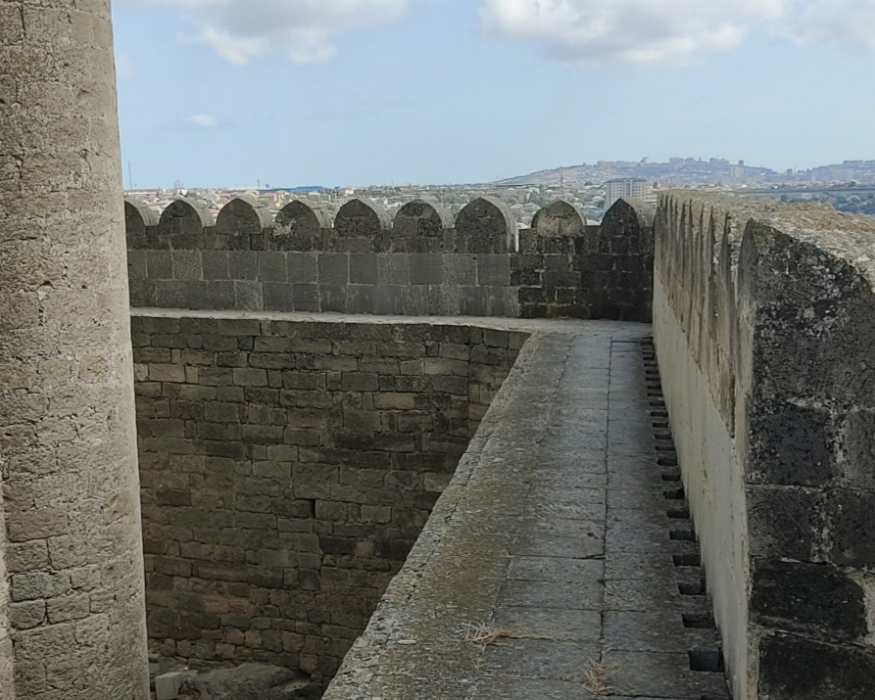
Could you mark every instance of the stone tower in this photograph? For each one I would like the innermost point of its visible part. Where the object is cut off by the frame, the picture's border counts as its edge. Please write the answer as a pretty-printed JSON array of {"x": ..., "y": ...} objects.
[{"x": 71, "y": 569}]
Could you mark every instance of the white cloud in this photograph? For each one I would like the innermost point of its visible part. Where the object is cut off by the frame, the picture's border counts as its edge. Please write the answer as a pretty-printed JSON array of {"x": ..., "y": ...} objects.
[
  {"x": 201, "y": 121},
  {"x": 628, "y": 31},
  {"x": 834, "y": 21},
  {"x": 592, "y": 32},
  {"x": 236, "y": 50},
  {"x": 241, "y": 30}
]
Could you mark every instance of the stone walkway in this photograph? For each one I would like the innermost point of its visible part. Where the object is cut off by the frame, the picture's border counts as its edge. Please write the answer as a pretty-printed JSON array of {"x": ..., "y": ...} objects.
[{"x": 563, "y": 545}]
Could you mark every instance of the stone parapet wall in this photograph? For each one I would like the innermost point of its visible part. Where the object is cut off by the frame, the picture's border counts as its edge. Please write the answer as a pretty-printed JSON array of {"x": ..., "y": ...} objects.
[
  {"x": 418, "y": 264},
  {"x": 288, "y": 466},
  {"x": 763, "y": 320}
]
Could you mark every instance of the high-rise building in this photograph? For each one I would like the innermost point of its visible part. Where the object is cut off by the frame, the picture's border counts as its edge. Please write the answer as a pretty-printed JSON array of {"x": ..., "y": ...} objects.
[{"x": 624, "y": 187}]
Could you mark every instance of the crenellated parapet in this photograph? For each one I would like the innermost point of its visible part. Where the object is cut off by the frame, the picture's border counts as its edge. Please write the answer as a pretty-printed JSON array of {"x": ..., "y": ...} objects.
[
  {"x": 420, "y": 263},
  {"x": 763, "y": 320}
]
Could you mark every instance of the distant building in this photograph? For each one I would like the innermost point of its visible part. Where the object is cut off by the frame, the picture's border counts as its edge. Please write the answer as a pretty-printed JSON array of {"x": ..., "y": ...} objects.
[{"x": 624, "y": 187}]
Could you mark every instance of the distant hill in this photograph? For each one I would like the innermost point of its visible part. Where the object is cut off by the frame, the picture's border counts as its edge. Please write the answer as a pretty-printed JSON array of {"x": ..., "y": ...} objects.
[
  {"x": 697, "y": 171},
  {"x": 555, "y": 176}
]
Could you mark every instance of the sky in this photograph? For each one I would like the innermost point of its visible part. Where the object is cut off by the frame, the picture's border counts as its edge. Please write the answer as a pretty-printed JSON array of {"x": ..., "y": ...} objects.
[{"x": 232, "y": 93}]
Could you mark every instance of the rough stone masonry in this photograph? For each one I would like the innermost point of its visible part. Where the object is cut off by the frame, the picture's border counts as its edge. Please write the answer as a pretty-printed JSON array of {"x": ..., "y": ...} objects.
[
  {"x": 72, "y": 622},
  {"x": 288, "y": 466}
]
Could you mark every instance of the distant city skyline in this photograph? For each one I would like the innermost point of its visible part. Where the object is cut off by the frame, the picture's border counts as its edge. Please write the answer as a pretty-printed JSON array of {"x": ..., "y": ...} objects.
[{"x": 358, "y": 92}]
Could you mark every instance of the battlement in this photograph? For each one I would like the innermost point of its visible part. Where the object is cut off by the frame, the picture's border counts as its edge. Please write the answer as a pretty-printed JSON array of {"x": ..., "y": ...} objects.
[
  {"x": 763, "y": 320},
  {"x": 420, "y": 264}
]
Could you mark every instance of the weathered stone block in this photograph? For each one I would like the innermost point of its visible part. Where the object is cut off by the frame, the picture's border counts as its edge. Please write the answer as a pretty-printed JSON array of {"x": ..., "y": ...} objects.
[
  {"x": 813, "y": 599},
  {"x": 249, "y": 296},
  {"x": 187, "y": 265},
  {"x": 427, "y": 268},
  {"x": 493, "y": 270},
  {"x": 279, "y": 297},
  {"x": 333, "y": 299},
  {"x": 243, "y": 265},
  {"x": 272, "y": 267},
  {"x": 168, "y": 685},
  {"x": 26, "y": 556},
  {"x": 73, "y": 606},
  {"x": 790, "y": 445},
  {"x": 853, "y": 536},
  {"x": 249, "y": 377},
  {"x": 782, "y": 522},
  {"x": 792, "y": 668},
  {"x": 36, "y": 585},
  {"x": 333, "y": 269},
  {"x": 36, "y": 525},
  {"x": 25, "y": 616},
  {"x": 215, "y": 264},
  {"x": 303, "y": 268},
  {"x": 159, "y": 264},
  {"x": 459, "y": 270},
  {"x": 306, "y": 297}
]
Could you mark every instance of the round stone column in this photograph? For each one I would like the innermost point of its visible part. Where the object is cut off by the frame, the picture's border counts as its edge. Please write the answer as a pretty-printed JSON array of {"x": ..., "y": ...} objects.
[{"x": 73, "y": 595}]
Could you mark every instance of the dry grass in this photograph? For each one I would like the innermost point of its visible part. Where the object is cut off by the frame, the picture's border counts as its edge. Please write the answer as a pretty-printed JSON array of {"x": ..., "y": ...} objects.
[
  {"x": 487, "y": 635},
  {"x": 596, "y": 676}
]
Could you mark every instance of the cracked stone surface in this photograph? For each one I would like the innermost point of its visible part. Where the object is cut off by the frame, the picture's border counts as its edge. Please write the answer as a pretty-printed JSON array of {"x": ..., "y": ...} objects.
[{"x": 554, "y": 536}]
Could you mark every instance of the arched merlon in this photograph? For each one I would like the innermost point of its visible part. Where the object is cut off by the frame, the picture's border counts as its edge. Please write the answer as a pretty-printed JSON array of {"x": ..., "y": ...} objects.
[
  {"x": 364, "y": 220},
  {"x": 183, "y": 223},
  {"x": 559, "y": 219},
  {"x": 764, "y": 319},
  {"x": 486, "y": 225},
  {"x": 240, "y": 219},
  {"x": 301, "y": 218},
  {"x": 631, "y": 220},
  {"x": 299, "y": 226},
  {"x": 420, "y": 227},
  {"x": 139, "y": 218}
]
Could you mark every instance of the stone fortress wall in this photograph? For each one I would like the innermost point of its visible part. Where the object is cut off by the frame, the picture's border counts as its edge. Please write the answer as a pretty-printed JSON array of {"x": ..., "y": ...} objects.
[
  {"x": 764, "y": 320},
  {"x": 420, "y": 264},
  {"x": 287, "y": 469}
]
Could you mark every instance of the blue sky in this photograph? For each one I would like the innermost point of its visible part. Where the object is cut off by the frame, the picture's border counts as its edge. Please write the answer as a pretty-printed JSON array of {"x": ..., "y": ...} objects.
[{"x": 359, "y": 92}]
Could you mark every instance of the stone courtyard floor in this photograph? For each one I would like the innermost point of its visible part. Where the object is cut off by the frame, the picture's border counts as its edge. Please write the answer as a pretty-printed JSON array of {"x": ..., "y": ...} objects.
[{"x": 561, "y": 562}]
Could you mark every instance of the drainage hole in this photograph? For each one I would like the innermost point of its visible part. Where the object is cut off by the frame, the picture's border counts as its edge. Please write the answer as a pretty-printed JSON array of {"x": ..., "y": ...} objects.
[
  {"x": 665, "y": 448},
  {"x": 699, "y": 621},
  {"x": 659, "y": 424},
  {"x": 671, "y": 477},
  {"x": 679, "y": 513},
  {"x": 697, "y": 589},
  {"x": 663, "y": 435},
  {"x": 675, "y": 494},
  {"x": 683, "y": 535},
  {"x": 667, "y": 461},
  {"x": 706, "y": 660},
  {"x": 659, "y": 414},
  {"x": 686, "y": 560}
]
